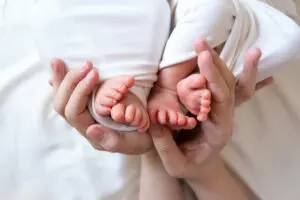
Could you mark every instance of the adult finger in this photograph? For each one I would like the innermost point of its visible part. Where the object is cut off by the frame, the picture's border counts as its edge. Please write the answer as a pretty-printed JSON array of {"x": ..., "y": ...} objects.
[
  {"x": 222, "y": 102},
  {"x": 76, "y": 111},
  {"x": 201, "y": 45},
  {"x": 264, "y": 83},
  {"x": 215, "y": 81},
  {"x": 173, "y": 159},
  {"x": 112, "y": 141},
  {"x": 247, "y": 79},
  {"x": 67, "y": 86},
  {"x": 58, "y": 73}
]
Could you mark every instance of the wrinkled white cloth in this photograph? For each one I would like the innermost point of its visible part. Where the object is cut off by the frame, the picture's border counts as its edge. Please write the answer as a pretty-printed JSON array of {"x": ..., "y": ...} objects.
[
  {"x": 118, "y": 37},
  {"x": 241, "y": 24},
  {"x": 42, "y": 157},
  {"x": 105, "y": 33}
]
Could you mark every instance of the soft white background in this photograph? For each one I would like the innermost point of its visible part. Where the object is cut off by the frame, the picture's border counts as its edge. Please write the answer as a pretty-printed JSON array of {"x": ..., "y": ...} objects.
[{"x": 43, "y": 158}]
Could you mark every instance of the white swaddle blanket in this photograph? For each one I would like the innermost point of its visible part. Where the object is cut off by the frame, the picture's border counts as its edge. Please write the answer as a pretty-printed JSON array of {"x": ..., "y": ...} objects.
[
  {"x": 242, "y": 24},
  {"x": 118, "y": 37}
]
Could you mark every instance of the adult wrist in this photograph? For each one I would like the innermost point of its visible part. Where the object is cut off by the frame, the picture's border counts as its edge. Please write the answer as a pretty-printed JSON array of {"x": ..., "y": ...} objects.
[
  {"x": 215, "y": 182},
  {"x": 209, "y": 173}
]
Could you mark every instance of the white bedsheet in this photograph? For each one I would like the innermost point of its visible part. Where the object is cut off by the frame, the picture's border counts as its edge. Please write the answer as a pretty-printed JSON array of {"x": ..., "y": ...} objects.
[{"x": 41, "y": 157}]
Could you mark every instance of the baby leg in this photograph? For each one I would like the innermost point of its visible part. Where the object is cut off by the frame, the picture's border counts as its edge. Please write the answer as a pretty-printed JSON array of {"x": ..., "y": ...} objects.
[
  {"x": 113, "y": 99},
  {"x": 163, "y": 106}
]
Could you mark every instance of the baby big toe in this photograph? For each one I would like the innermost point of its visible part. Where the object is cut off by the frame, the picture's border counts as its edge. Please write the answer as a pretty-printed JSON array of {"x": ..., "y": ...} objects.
[
  {"x": 137, "y": 117},
  {"x": 118, "y": 113}
]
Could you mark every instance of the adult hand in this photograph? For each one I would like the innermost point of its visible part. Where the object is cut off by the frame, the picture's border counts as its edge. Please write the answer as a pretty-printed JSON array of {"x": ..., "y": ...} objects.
[
  {"x": 246, "y": 84},
  {"x": 189, "y": 160},
  {"x": 72, "y": 89}
]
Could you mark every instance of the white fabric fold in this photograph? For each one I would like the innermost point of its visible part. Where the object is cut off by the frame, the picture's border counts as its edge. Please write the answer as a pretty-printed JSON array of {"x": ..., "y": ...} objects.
[
  {"x": 119, "y": 38},
  {"x": 242, "y": 24}
]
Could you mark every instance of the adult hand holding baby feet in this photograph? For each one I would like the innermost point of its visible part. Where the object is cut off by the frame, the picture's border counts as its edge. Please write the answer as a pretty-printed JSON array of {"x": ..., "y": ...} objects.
[
  {"x": 113, "y": 99},
  {"x": 189, "y": 88},
  {"x": 71, "y": 92},
  {"x": 164, "y": 107}
]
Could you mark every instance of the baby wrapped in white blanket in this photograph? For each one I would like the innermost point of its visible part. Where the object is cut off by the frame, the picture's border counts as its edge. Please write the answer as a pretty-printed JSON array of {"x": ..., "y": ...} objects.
[{"x": 127, "y": 37}]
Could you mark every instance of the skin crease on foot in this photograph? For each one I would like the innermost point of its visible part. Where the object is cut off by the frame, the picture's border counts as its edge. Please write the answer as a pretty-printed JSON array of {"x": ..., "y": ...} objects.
[{"x": 113, "y": 99}]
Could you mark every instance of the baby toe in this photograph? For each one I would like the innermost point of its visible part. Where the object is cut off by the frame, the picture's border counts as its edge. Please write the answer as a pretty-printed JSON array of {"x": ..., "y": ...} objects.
[
  {"x": 137, "y": 118},
  {"x": 118, "y": 113},
  {"x": 172, "y": 117},
  {"x": 130, "y": 113},
  {"x": 181, "y": 119},
  {"x": 162, "y": 117}
]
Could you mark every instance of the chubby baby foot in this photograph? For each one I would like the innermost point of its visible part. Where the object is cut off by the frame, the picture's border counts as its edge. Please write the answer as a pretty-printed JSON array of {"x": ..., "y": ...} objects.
[
  {"x": 164, "y": 108},
  {"x": 114, "y": 100},
  {"x": 110, "y": 93},
  {"x": 194, "y": 96},
  {"x": 131, "y": 111}
]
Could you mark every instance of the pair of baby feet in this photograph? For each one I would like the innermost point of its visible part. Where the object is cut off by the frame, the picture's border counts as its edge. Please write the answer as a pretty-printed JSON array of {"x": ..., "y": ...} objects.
[{"x": 113, "y": 99}]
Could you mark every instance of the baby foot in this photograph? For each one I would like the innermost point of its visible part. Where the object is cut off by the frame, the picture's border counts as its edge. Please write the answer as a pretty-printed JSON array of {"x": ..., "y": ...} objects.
[
  {"x": 164, "y": 108},
  {"x": 114, "y": 100},
  {"x": 194, "y": 96},
  {"x": 130, "y": 110},
  {"x": 110, "y": 93}
]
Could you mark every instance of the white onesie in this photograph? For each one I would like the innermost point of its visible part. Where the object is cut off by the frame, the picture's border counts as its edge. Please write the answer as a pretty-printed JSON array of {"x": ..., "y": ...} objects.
[
  {"x": 127, "y": 37},
  {"x": 241, "y": 24},
  {"x": 120, "y": 37}
]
